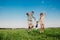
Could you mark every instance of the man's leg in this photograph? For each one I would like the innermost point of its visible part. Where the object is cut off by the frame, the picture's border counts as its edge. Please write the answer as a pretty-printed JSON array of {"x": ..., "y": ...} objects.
[
  {"x": 32, "y": 27},
  {"x": 29, "y": 25}
]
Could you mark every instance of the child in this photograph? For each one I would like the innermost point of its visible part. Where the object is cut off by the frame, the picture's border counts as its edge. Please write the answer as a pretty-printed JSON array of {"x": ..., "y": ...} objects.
[
  {"x": 30, "y": 16},
  {"x": 36, "y": 24},
  {"x": 42, "y": 22}
]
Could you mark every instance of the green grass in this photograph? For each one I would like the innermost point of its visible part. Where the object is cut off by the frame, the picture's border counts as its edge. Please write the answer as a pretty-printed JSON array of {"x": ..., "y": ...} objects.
[{"x": 23, "y": 34}]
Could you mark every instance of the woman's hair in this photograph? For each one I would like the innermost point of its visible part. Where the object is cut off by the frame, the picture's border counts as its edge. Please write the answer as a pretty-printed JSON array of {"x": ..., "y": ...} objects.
[
  {"x": 41, "y": 13},
  {"x": 36, "y": 21}
]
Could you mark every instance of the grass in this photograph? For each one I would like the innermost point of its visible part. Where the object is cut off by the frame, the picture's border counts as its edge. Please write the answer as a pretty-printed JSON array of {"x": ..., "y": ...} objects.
[{"x": 23, "y": 34}]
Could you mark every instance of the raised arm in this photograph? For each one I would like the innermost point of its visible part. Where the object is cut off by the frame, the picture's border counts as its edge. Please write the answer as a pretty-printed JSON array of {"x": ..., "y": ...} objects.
[{"x": 34, "y": 18}]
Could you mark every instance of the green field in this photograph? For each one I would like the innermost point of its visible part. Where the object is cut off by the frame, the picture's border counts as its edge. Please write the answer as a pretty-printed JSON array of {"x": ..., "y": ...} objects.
[{"x": 23, "y": 34}]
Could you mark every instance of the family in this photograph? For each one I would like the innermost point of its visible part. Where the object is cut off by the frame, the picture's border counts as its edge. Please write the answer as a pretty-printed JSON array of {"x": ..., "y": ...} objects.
[{"x": 30, "y": 16}]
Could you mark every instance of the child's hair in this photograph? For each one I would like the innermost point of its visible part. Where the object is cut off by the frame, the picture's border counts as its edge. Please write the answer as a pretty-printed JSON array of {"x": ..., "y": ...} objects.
[
  {"x": 36, "y": 21},
  {"x": 32, "y": 11},
  {"x": 27, "y": 14},
  {"x": 41, "y": 13}
]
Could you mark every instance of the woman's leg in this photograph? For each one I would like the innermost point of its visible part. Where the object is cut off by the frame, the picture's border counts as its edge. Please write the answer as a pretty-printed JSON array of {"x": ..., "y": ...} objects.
[{"x": 42, "y": 28}]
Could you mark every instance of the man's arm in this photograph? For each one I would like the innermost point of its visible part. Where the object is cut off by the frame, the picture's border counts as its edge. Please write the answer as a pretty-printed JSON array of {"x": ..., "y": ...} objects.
[{"x": 34, "y": 18}]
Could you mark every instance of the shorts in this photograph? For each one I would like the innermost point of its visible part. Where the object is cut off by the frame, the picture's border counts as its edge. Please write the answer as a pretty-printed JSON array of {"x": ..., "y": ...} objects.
[
  {"x": 29, "y": 22},
  {"x": 36, "y": 25}
]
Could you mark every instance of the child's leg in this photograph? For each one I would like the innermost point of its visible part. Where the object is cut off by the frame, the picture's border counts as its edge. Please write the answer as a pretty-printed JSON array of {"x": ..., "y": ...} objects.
[{"x": 36, "y": 26}]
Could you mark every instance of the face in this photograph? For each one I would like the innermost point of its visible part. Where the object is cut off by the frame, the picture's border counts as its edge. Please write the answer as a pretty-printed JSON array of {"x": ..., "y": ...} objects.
[{"x": 41, "y": 15}]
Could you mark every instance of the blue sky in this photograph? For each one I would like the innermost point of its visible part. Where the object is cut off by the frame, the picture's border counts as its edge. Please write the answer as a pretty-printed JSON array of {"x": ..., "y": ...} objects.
[{"x": 13, "y": 12}]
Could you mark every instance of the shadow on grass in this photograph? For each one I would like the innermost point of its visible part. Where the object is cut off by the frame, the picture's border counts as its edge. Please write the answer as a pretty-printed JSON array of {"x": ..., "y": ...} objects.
[
  {"x": 34, "y": 33},
  {"x": 1, "y": 36},
  {"x": 54, "y": 36}
]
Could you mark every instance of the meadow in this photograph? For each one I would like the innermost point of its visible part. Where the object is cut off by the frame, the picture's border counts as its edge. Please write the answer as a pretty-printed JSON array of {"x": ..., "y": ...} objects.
[{"x": 23, "y": 34}]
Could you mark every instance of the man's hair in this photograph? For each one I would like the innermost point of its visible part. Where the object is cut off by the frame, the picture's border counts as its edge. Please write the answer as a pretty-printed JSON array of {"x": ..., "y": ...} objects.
[
  {"x": 32, "y": 11},
  {"x": 41, "y": 13},
  {"x": 27, "y": 14}
]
